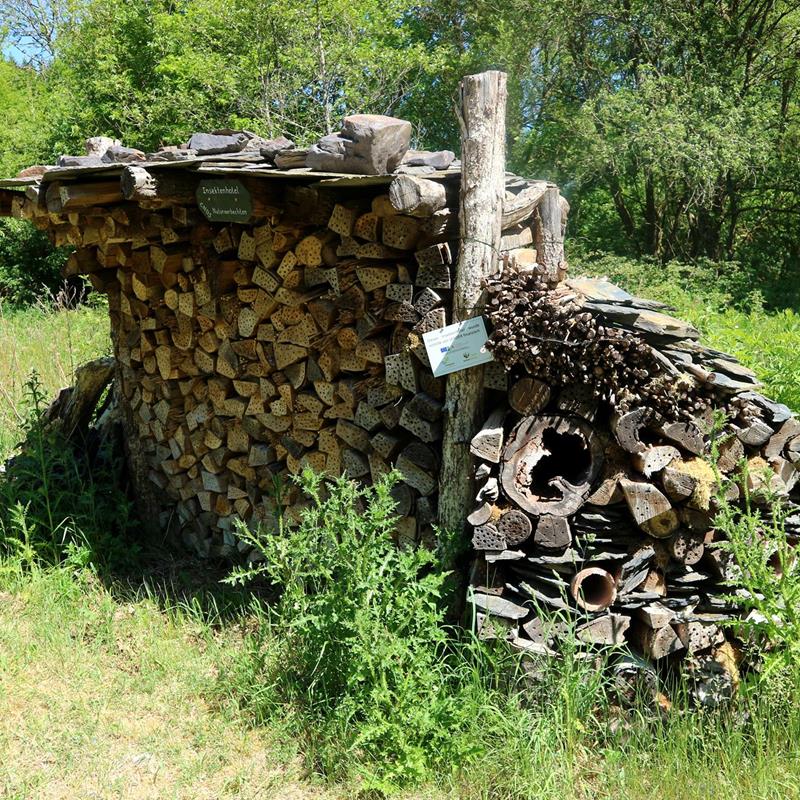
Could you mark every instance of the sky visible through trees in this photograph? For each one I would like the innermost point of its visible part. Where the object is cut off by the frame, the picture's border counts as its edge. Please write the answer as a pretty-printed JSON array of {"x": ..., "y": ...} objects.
[{"x": 672, "y": 126}]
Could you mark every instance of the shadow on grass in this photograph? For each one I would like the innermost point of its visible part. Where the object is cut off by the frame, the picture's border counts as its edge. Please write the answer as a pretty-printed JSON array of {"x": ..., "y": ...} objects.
[
  {"x": 66, "y": 497},
  {"x": 179, "y": 581}
]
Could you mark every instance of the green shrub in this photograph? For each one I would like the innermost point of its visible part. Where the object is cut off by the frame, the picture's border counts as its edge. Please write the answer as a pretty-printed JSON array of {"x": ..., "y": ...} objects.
[
  {"x": 61, "y": 502},
  {"x": 355, "y": 659},
  {"x": 766, "y": 574},
  {"x": 30, "y": 267},
  {"x": 359, "y": 646}
]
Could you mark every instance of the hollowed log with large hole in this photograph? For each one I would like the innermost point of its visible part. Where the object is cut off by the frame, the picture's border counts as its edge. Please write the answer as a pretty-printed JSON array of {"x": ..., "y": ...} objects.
[
  {"x": 593, "y": 589},
  {"x": 550, "y": 464}
]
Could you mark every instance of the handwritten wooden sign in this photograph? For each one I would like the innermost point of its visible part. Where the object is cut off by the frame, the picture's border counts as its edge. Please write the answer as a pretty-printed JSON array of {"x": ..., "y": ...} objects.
[{"x": 224, "y": 201}]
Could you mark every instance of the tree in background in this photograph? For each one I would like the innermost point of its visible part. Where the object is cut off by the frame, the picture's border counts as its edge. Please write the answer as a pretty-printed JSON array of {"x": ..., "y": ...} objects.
[
  {"x": 683, "y": 117},
  {"x": 29, "y": 266},
  {"x": 153, "y": 72},
  {"x": 671, "y": 126},
  {"x": 32, "y": 27},
  {"x": 23, "y": 134}
]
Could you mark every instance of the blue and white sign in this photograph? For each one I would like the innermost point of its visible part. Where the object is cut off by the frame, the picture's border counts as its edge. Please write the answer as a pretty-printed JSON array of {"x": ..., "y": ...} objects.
[{"x": 458, "y": 346}]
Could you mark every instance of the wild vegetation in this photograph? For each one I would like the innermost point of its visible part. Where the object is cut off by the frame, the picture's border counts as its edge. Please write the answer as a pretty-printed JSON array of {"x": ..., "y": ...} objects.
[
  {"x": 51, "y": 340},
  {"x": 219, "y": 689},
  {"x": 333, "y": 672}
]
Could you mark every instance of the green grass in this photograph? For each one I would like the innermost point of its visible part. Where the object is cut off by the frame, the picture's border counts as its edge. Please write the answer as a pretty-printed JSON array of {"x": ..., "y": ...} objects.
[
  {"x": 767, "y": 343},
  {"x": 51, "y": 341},
  {"x": 110, "y": 693},
  {"x": 107, "y": 697},
  {"x": 111, "y": 689}
]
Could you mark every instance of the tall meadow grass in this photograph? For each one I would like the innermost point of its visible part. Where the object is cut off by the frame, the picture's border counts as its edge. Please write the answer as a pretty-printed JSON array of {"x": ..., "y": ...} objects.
[{"x": 51, "y": 340}]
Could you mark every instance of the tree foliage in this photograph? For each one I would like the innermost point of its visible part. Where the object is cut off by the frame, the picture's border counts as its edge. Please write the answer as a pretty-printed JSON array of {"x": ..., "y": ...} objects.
[
  {"x": 671, "y": 126},
  {"x": 23, "y": 134},
  {"x": 682, "y": 114},
  {"x": 157, "y": 71}
]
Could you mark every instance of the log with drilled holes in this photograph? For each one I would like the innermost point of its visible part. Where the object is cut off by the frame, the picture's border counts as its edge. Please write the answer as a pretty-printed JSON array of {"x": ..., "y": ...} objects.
[{"x": 596, "y": 495}]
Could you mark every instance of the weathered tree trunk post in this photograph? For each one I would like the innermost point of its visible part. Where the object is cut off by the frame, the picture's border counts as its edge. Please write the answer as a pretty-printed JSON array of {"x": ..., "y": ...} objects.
[
  {"x": 550, "y": 240},
  {"x": 483, "y": 164}
]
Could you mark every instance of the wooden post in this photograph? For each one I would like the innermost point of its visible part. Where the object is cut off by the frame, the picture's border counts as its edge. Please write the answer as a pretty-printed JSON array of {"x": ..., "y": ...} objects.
[
  {"x": 550, "y": 244},
  {"x": 483, "y": 135}
]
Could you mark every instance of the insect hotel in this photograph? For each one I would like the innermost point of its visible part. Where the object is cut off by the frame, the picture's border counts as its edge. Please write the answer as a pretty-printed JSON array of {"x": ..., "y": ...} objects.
[{"x": 359, "y": 306}]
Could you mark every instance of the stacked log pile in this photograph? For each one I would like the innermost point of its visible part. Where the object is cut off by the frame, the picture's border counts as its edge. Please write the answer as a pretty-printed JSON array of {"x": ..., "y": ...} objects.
[
  {"x": 247, "y": 352},
  {"x": 596, "y": 499}
]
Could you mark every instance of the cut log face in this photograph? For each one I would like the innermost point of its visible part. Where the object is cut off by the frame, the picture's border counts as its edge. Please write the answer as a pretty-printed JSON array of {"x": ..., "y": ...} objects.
[
  {"x": 651, "y": 510},
  {"x": 481, "y": 515},
  {"x": 627, "y": 429},
  {"x": 756, "y": 434},
  {"x": 659, "y": 643},
  {"x": 488, "y": 442},
  {"x": 416, "y": 196},
  {"x": 678, "y": 485},
  {"x": 606, "y": 630},
  {"x": 550, "y": 464},
  {"x": 515, "y": 526},
  {"x": 686, "y": 435},
  {"x": 553, "y": 533},
  {"x": 528, "y": 396},
  {"x": 654, "y": 459},
  {"x": 687, "y": 547}
]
